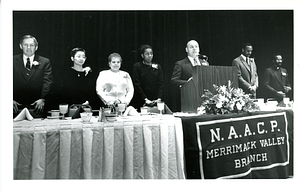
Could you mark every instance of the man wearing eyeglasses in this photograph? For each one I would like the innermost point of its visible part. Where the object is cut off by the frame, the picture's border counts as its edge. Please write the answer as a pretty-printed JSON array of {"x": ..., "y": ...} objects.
[{"x": 32, "y": 78}]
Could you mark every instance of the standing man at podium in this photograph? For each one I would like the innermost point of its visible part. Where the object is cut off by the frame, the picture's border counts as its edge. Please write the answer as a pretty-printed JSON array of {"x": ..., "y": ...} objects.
[
  {"x": 247, "y": 71},
  {"x": 182, "y": 72}
]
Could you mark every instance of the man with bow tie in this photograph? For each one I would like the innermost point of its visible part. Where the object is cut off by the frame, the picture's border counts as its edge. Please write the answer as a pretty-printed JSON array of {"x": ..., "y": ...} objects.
[
  {"x": 247, "y": 71},
  {"x": 183, "y": 69},
  {"x": 32, "y": 78},
  {"x": 276, "y": 80}
]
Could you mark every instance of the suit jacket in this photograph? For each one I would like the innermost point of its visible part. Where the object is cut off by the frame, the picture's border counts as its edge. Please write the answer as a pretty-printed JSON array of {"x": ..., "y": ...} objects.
[
  {"x": 274, "y": 81},
  {"x": 31, "y": 86},
  {"x": 183, "y": 70},
  {"x": 247, "y": 74}
]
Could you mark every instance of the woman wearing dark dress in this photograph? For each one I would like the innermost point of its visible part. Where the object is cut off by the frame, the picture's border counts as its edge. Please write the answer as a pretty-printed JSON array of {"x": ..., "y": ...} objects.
[
  {"x": 148, "y": 79},
  {"x": 78, "y": 82}
]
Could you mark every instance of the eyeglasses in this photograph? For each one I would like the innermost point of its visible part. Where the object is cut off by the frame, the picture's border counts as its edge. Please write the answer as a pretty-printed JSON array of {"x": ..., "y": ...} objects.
[{"x": 29, "y": 45}]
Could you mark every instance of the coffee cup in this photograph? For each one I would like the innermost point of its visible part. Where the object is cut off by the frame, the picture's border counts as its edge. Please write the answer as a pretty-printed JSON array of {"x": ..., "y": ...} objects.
[
  {"x": 85, "y": 116},
  {"x": 144, "y": 110},
  {"x": 54, "y": 113}
]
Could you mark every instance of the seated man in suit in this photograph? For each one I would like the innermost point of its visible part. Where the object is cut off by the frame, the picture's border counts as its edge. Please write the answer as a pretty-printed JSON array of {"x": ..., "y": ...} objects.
[
  {"x": 182, "y": 72},
  {"x": 247, "y": 71},
  {"x": 32, "y": 78},
  {"x": 276, "y": 80}
]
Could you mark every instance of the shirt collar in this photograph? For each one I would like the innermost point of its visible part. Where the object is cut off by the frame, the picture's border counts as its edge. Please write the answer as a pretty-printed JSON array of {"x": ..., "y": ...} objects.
[
  {"x": 148, "y": 65},
  {"x": 277, "y": 67},
  {"x": 25, "y": 59},
  {"x": 244, "y": 57}
]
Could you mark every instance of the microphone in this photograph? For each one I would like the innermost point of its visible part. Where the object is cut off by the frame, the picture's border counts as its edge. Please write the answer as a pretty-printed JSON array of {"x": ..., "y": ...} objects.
[{"x": 203, "y": 57}]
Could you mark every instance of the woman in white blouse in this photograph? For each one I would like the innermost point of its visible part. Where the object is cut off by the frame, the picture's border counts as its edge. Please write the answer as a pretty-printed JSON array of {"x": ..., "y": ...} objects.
[{"x": 114, "y": 86}]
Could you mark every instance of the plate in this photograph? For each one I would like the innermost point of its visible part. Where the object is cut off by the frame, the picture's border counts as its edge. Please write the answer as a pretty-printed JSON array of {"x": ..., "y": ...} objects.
[
  {"x": 55, "y": 117},
  {"x": 111, "y": 119},
  {"x": 86, "y": 122},
  {"x": 111, "y": 115},
  {"x": 181, "y": 114}
]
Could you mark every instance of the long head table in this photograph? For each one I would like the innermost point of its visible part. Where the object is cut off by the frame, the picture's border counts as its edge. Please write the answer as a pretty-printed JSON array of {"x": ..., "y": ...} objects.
[{"x": 144, "y": 147}]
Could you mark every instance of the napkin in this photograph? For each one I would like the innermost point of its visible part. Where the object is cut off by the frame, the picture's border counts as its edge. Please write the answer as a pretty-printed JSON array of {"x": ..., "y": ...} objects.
[
  {"x": 24, "y": 114},
  {"x": 77, "y": 112},
  {"x": 130, "y": 111}
]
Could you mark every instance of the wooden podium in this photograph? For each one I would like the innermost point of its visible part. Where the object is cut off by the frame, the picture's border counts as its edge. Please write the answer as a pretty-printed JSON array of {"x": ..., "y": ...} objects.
[{"x": 203, "y": 78}]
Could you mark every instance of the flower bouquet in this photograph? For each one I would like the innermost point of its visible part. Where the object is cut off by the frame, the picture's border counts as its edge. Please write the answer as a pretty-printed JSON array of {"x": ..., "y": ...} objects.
[{"x": 226, "y": 100}]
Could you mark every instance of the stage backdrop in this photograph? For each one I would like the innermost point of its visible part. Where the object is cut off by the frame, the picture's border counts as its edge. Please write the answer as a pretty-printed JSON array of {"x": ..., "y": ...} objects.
[{"x": 219, "y": 32}]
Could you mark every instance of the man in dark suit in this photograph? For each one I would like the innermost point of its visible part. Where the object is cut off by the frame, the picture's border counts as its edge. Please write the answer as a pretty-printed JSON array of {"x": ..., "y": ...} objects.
[
  {"x": 183, "y": 75},
  {"x": 247, "y": 71},
  {"x": 276, "y": 80},
  {"x": 32, "y": 78},
  {"x": 182, "y": 72}
]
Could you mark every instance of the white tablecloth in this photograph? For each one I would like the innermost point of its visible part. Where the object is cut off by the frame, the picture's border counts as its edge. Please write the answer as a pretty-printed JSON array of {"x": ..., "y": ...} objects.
[{"x": 141, "y": 147}]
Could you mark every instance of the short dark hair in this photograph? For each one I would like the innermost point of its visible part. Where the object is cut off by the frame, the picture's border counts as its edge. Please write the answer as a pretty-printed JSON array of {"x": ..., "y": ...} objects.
[
  {"x": 274, "y": 56},
  {"x": 277, "y": 54},
  {"x": 114, "y": 55},
  {"x": 245, "y": 45},
  {"x": 29, "y": 36},
  {"x": 143, "y": 48},
  {"x": 75, "y": 50}
]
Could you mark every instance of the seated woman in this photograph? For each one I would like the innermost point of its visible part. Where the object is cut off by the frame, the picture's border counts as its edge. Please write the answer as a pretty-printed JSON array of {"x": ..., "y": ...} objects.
[
  {"x": 148, "y": 80},
  {"x": 77, "y": 83},
  {"x": 114, "y": 86}
]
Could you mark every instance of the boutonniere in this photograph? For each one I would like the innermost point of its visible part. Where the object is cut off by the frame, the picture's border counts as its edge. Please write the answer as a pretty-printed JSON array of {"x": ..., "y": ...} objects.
[
  {"x": 126, "y": 76},
  {"x": 35, "y": 63},
  {"x": 154, "y": 66},
  {"x": 283, "y": 73}
]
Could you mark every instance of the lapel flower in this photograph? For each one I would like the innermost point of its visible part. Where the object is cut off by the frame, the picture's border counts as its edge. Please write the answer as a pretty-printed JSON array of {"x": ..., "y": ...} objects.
[
  {"x": 155, "y": 66},
  {"x": 126, "y": 76},
  {"x": 35, "y": 63},
  {"x": 283, "y": 73}
]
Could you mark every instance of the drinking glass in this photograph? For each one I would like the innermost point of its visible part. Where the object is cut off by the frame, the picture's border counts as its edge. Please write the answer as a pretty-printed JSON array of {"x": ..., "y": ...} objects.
[
  {"x": 160, "y": 106},
  {"x": 121, "y": 107},
  {"x": 63, "y": 109},
  {"x": 286, "y": 100}
]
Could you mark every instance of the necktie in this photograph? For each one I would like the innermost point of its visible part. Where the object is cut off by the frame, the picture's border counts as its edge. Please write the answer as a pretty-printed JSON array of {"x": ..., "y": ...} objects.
[
  {"x": 248, "y": 61},
  {"x": 196, "y": 62},
  {"x": 28, "y": 64}
]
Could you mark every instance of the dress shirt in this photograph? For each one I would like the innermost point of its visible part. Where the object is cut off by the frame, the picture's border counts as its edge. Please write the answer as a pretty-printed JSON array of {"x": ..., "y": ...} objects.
[
  {"x": 193, "y": 61},
  {"x": 25, "y": 60}
]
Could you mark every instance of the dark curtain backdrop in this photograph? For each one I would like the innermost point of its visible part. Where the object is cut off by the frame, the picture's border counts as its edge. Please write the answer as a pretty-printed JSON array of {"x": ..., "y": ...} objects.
[{"x": 220, "y": 34}]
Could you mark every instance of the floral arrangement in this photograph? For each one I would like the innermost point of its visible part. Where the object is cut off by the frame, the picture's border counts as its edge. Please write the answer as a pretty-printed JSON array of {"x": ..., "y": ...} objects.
[{"x": 227, "y": 100}]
